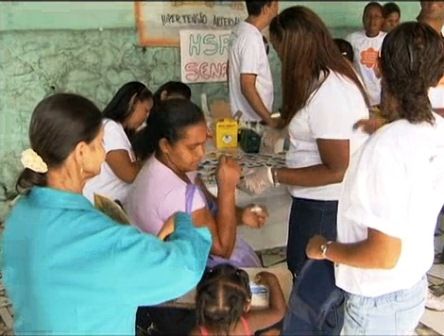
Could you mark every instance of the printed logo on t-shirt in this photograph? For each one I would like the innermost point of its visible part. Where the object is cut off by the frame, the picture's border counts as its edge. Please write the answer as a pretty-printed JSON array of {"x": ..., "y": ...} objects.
[{"x": 369, "y": 58}]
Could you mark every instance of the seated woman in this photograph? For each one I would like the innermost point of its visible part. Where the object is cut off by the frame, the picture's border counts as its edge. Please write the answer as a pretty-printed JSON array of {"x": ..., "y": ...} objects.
[
  {"x": 168, "y": 182},
  {"x": 124, "y": 114},
  {"x": 68, "y": 268}
]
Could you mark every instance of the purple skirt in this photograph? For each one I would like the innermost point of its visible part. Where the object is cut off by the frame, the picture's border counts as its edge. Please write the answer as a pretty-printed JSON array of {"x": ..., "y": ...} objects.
[{"x": 243, "y": 256}]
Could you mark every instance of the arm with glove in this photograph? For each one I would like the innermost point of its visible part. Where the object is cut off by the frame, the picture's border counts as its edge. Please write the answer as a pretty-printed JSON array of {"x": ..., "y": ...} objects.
[{"x": 334, "y": 156}]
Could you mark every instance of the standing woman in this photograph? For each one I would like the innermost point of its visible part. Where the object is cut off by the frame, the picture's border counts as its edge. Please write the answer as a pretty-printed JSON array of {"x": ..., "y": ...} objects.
[
  {"x": 68, "y": 268},
  {"x": 124, "y": 114},
  {"x": 322, "y": 99},
  {"x": 393, "y": 192}
]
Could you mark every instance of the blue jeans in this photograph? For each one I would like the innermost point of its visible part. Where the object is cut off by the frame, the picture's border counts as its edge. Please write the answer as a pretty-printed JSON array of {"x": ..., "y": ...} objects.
[
  {"x": 395, "y": 313},
  {"x": 307, "y": 218},
  {"x": 316, "y": 305}
]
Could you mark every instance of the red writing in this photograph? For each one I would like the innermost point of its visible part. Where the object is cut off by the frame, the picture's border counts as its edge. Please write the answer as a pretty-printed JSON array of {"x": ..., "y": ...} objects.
[{"x": 205, "y": 71}]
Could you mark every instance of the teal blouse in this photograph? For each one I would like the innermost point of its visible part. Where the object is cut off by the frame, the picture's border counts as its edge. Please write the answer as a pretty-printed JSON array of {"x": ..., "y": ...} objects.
[{"x": 69, "y": 269}]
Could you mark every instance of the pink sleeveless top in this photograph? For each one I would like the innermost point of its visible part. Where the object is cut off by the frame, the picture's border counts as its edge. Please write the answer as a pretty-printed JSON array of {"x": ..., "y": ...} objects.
[{"x": 247, "y": 330}]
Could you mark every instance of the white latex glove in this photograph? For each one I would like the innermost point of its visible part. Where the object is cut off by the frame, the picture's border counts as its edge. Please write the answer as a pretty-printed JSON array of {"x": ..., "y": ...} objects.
[
  {"x": 273, "y": 140},
  {"x": 257, "y": 181}
]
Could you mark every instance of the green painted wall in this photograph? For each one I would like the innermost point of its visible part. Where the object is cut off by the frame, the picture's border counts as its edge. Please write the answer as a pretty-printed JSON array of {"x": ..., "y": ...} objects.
[{"x": 91, "y": 48}]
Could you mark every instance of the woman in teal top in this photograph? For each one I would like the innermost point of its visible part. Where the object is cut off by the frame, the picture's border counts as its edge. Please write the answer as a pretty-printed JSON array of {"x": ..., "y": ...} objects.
[{"x": 68, "y": 268}]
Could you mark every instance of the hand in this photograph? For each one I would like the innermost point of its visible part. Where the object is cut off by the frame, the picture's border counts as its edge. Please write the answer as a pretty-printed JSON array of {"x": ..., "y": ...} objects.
[
  {"x": 273, "y": 140},
  {"x": 369, "y": 126},
  {"x": 274, "y": 122},
  {"x": 265, "y": 278},
  {"x": 227, "y": 173},
  {"x": 254, "y": 216},
  {"x": 257, "y": 181},
  {"x": 313, "y": 249},
  {"x": 167, "y": 228}
]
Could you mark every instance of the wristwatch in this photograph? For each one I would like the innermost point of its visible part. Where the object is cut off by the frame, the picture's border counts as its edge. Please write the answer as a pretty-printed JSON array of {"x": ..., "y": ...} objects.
[{"x": 324, "y": 248}]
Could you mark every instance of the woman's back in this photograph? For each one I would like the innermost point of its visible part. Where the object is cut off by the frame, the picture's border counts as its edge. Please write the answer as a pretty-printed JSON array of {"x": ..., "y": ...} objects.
[{"x": 70, "y": 269}]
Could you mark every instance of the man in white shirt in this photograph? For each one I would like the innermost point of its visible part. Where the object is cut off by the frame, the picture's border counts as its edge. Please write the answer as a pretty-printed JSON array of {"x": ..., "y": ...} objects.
[
  {"x": 249, "y": 74},
  {"x": 366, "y": 45}
]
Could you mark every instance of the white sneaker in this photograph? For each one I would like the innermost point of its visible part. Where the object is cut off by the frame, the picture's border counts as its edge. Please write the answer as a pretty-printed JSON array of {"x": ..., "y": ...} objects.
[{"x": 434, "y": 302}]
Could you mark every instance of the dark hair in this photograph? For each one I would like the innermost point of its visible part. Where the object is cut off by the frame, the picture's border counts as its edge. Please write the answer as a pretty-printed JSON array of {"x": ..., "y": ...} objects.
[
  {"x": 122, "y": 104},
  {"x": 412, "y": 61},
  {"x": 390, "y": 8},
  {"x": 370, "y": 5},
  {"x": 254, "y": 8},
  {"x": 58, "y": 123},
  {"x": 221, "y": 296},
  {"x": 169, "y": 121},
  {"x": 345, "y": 48},
  {"x": 172, "y": 88},
  {"x": 307, "y": 50}
]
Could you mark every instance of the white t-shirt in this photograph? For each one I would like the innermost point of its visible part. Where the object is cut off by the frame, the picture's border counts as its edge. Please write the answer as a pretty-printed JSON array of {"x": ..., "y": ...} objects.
[
  {"x": 156, "y": 194},
  {"x": 436, "y": 95},
  {"x": 107, "y": 183},
  {"x": 330, "y": 113},
  {"x": 366, "y": 50},
  {"x": 247, "y": 55},
  {"x": 394, "y": 184}
]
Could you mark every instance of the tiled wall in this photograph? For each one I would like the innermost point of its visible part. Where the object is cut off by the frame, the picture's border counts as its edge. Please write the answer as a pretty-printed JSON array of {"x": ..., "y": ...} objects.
[{"x": 35, "y": 62}]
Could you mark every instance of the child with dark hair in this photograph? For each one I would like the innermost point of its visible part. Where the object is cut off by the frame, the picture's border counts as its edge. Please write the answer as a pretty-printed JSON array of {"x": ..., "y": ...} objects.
[
  {"x": 223, "y": 303},
  {"x": 124, "y": 114},
  {"x": 345, "y": 48},
  {"x": 172, "y": 90},
  {"x": 392, "y": 16},
  {"x": 366, "y": 44}
]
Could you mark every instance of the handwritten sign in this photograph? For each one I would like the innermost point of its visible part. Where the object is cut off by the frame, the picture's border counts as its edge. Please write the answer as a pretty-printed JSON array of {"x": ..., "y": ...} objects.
[
  {"x": 159, "y": 22},
  {"x": 204, "y": 55}
]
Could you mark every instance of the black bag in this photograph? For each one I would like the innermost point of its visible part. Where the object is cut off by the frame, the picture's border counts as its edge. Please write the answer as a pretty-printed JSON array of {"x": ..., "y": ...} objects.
[
  {"x": 164, "y": 320},
  {"x": 316, "y": 305}
]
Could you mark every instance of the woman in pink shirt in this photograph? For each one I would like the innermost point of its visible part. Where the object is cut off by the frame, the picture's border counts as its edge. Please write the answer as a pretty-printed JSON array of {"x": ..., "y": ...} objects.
[{"x": 169, "y": 182}]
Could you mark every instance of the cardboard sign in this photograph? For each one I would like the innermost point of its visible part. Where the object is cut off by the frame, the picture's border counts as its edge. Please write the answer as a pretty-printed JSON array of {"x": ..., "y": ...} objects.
[
  {"x": 159, "y": 22},
  {"x": 204, "y": 55}
]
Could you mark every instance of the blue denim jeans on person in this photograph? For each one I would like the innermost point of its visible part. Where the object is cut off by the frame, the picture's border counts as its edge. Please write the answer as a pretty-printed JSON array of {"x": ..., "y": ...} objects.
[
  {"x": 307, "y": 218},
  {"x": 316, "y": 305},
  {"x": 395, "y": 313}
]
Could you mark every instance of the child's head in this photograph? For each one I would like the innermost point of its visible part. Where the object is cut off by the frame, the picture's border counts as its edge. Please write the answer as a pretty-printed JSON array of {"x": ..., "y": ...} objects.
[
  {"x": 223, "y": 295},
  {"x": 130, "y": 106},
  {"x": 172, "y": 90},
  {"x": 392, "y": 16},
  {"x": 372, "y": 19},
  {"x": 345, "y": 48}
]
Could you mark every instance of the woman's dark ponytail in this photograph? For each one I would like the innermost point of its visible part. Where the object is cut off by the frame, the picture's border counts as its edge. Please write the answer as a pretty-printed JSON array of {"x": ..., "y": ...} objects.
[{"x": 58, "y": 123}]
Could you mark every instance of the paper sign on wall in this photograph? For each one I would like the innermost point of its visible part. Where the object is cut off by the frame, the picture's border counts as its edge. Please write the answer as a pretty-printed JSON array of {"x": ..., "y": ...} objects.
[
  {"x": 159, "y": 22},
  {"x": 204, "y": 55}
]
